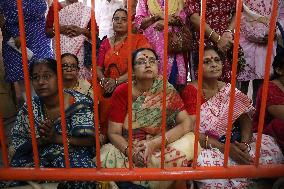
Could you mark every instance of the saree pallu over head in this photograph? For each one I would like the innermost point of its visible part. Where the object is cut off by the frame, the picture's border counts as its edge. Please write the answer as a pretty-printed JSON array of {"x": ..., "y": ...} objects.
[{"x": 214, "y": 112}]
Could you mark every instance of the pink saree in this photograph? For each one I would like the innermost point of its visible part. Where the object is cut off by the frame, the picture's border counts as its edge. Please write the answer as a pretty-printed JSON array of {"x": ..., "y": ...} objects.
[
  {"x": 79, "y": 15},
  {"x": 214, "y": 121}
]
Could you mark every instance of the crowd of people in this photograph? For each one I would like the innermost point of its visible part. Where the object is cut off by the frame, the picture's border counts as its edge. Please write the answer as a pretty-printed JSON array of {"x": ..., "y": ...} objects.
[{"x": 147, "y": 49}]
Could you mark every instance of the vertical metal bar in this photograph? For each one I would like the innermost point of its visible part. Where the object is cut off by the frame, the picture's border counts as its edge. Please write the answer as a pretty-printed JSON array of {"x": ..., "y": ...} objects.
[
  {"x": 3, "y": 143},
  {"x": 165, "y": 80},
  {"x": 95, "y": 84},
  {"x": 60, "y": 83},
  {"x": 200, "y": 80},
  {"x": 272, "y": 26},
  {"x": 233, "y": 81},
  {"x": 129, "y": 36},
  {"x": 26, "y": 77}
]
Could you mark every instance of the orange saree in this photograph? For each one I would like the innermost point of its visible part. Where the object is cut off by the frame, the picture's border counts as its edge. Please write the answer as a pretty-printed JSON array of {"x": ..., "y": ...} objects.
[{"x": 113, "y": 60}]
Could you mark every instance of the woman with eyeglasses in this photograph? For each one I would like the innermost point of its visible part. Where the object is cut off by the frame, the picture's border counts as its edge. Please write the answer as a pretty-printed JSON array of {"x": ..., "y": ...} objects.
[
  {"x": 70, "y": 70},
  {"x": 112, "y": 61},
  {"x": 47, "y": 119},
  {"x": 75, "y": 26},
  {"x": 147, "y": 94}
]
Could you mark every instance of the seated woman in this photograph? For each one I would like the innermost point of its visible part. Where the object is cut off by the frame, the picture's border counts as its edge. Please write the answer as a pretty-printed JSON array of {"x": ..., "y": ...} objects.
[
  {"x": 214, "y": 121},
  {"x": 274, "y": 120},
  {"x": 46, "y": 112},
  {"x": 112, "y": 61},
  {"x": 147, "y": 95},
  {"x": 70, "y": 70}
]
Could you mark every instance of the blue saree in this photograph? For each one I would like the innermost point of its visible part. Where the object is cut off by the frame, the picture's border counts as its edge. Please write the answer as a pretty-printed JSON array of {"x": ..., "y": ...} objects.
[{"x": 79, "y": 123}]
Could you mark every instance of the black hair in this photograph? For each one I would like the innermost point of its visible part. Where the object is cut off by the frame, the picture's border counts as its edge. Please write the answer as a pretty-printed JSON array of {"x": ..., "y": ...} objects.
[
  {"x": 118, "y": 10},
  {"x": 278, "y": 62},
  {"x": 72, "y": 55},
  {"x": 195, "y": 56},
  {"x": 49, "y": 62},
  {"x": 134, "y": 54}
]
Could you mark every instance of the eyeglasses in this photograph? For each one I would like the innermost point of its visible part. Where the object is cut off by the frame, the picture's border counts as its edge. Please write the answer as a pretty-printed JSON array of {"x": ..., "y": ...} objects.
[
  {"x": 152, "y": 62},
  {"x": 73, "y": 67},
  {"x": 44, "y": 77},
  {"x": 117, "y": 19}
]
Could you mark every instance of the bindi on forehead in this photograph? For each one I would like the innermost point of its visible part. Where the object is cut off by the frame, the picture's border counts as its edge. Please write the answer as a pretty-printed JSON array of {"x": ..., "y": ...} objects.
[{"x": 145, "y": 55}]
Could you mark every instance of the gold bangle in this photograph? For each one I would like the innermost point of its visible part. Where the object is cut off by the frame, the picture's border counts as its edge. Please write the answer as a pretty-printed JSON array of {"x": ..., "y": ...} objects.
[
  {"x": 247, "y": 144},
  {"x": 206, "y": 141},
  {"x": 125, "y": 150},
  {"x": 230, "y": 31},
  {"x": 219, "y": 38},
  {"x": 166, "y": 140},
  {"x": 210, "y": 34}
]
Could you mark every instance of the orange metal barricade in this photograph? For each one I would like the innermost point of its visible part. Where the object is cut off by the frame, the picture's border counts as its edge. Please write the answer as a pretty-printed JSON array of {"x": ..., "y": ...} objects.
[{"x": 99, "y": 173}]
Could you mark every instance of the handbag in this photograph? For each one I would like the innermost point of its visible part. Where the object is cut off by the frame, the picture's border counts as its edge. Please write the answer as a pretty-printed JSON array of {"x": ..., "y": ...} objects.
[{"x": 181, "y": 41}]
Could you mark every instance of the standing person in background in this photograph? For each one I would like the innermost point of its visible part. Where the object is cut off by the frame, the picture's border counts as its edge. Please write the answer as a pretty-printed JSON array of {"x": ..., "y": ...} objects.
[
  {"x": 104, "y": 12},
  {"x": 150, "y": 19},
  {"x": 112, "y": 66},
  {"x": 219, "y": 29},
  {"x": 254, "y": 40},
  {"x": 74, "y": 21},
  {"x": 37, "y": 42}
]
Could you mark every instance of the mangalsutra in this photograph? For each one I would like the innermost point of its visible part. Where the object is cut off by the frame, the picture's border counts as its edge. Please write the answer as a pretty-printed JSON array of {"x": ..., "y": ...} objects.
[
  {"x": 116, "y": 52},
  {"x": 46, "y": 115}
]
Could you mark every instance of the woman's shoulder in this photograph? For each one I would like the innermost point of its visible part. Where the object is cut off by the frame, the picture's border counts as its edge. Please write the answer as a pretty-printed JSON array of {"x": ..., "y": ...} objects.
[
  {"x": 122, "y": 89},
  {"x": 189, "y": 90},
  {"x": 76, "y": 97},
  {"x": 106, "y": 42},
  {"x": 192, "y": 85}
]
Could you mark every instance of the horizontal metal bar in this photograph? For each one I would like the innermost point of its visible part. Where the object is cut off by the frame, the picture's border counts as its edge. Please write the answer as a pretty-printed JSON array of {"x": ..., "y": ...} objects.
[{"x": 87, "y": 174}]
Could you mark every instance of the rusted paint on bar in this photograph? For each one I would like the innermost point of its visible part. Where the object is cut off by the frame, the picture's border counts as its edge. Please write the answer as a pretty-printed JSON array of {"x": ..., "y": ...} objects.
[
  {"x": 184, "y": 173},
  {"x": 95, "y": 84},
  {"x": 200, "y": 79},
  {"x": 165, "y": 80},
  {"x": 60, "y": 83},
  {"x": 266, "y": 79},
  {"x": 27, "y": 82},
  {"x": 233, "y": 81}
]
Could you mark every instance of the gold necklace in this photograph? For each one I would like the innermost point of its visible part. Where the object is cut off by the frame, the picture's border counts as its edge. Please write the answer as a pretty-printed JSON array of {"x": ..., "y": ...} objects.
[
  {"x": 116, "y": 52},
  {"x": 46, "y": 114}
]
